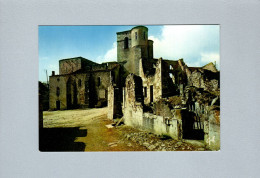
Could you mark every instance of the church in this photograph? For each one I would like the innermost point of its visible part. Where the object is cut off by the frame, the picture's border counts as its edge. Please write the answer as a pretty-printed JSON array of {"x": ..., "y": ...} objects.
[
  {"x": 82, "y": 83},
  {"x": 154, "y": 94}
]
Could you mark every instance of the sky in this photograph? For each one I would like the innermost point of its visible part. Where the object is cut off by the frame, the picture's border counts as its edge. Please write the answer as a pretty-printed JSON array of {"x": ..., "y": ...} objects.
[{"x": 196, "y": 44}]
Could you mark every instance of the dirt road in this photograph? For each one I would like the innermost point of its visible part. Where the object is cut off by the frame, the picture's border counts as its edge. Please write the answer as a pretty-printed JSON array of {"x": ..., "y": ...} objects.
[{"x": 93, "y": 122}]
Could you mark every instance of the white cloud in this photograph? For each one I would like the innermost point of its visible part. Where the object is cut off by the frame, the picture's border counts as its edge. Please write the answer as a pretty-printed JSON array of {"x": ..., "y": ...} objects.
[
  {"x": 196, "y": 44},
  {"x": 193, "y": 64},
  {"x": 111, "y": 55}
]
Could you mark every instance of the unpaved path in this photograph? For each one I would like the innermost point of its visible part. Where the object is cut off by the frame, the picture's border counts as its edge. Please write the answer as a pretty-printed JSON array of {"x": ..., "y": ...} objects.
[{"x": 99, "y": 137}]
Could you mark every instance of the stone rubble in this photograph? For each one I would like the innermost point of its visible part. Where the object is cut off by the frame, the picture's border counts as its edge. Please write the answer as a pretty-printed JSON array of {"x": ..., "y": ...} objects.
[{"x": 158, "y": 143}]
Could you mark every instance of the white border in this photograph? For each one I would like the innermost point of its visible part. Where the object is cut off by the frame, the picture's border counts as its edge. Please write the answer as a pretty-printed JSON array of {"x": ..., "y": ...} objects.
[{"x": 19, "y": 155}]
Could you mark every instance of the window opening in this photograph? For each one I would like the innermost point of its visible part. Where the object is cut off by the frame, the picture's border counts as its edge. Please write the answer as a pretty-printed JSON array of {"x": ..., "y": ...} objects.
[{"x": 126, "y": 43}]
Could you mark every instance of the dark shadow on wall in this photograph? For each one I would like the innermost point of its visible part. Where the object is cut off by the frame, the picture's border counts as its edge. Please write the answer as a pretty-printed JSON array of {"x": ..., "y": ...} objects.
[{"x": 61, "y": 139}]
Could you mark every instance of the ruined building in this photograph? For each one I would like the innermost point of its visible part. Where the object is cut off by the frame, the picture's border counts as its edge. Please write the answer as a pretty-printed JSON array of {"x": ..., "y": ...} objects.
[
  {"x": 81, "y": 83},
  {"x": 157, "y": 95}
]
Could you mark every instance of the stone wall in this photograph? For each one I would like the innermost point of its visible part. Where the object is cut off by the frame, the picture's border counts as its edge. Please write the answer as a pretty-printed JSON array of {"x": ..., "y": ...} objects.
[
  {"x": 132, "y": 109},
  {"x": 114, "y": 102},
  {"x": 69, "y": 90},
  {"x": 161, "y": 125},
  {"x": 122, "y": 52},
  {"x": 154, "y": 81},
  {"x": 70, "y": 65},
  {"x": 84, "y": 87},
  {"x": 136, "y": 49},
  {"x": 165, "y": 80},
  {"x": 101, "y": 81},
  {"x": 172, "y": 77},
  {"x": 135, "y": 117},
  {"x": 212, "y": 130},
  {"x": 54, "y": 82},
  {"x": 111, "y": 102},
  {"x": 199, "y": 79}
]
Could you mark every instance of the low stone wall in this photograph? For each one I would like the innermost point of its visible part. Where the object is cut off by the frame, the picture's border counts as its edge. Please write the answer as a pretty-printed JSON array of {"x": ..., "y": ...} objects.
[
  {"x": 161, "y": 125},
  {"x": 153, "y": 123},
  {"x": 133, "y": 116}
]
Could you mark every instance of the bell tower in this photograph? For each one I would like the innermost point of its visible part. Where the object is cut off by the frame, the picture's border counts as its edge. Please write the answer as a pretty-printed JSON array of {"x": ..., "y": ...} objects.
[{"x": 132, "y": 45}]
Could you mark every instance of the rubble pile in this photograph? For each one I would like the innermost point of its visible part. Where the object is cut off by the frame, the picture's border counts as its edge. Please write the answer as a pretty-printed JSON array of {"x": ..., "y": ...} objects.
[{"x": 159, "y": 143}]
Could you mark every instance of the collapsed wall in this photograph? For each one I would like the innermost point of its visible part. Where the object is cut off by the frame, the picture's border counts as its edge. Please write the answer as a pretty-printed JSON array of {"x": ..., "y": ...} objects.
[
  {"x": 114, "y": 102},
  {"x": 192, "y": 115},
  {"x": 135, "y": 116},
  {"x": 206, "y": 108}
]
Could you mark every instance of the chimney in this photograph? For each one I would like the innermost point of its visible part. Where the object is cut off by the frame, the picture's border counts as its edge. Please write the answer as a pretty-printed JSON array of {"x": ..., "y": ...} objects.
[{"x": 53, "y": 73}]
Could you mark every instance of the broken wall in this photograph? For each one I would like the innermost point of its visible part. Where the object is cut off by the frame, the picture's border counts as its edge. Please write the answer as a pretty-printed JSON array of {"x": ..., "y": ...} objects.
[
  {"x": 114, "y": 102},
  {"x": 132, "y": 109},
  {"x": 134, "y": 115},
  {"x": 152, "y": 83},
  {"x": 111, "y": 102},
  {"x": 205, "y": 79}
]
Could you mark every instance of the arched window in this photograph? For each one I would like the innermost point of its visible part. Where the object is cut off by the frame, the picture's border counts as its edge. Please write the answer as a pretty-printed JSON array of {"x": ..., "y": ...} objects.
[
  {"x": 144, "y": 36},
  {"x": 126, "y": 43},
  {"x": 58, "y": 91}
]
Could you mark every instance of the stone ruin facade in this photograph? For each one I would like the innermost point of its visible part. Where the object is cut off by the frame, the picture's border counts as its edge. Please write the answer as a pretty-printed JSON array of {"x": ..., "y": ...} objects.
[
  {"x": 165, "y": 97},
  {"x": 81, "y": 83}
]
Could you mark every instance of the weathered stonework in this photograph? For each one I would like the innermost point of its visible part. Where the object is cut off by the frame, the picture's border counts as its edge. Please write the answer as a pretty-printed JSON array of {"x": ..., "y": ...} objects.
[
  {"x": 69, "y": 90},
  {"x": 212, "y": 130},
  {"x": 184, "y": 110},
  {"x": 198, "y": 79},
  {"x": 85, "y": 87},
  {"x": 136, "y": 117},
  {"x": 70, "y": 65},
  {"x": 162, "y": 96},
  {"x": 152, "y": 83},
  {"x": 133, "y": 45},
  {"x": 111, "y": 102}
]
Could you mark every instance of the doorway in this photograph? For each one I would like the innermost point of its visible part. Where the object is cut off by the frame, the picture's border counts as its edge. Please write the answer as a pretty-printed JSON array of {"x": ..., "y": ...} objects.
[{"x": 58, "y": 105}]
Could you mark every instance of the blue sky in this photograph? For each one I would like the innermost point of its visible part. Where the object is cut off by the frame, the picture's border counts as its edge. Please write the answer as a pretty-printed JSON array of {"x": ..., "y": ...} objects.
[{"x": 196, "y": 44}]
